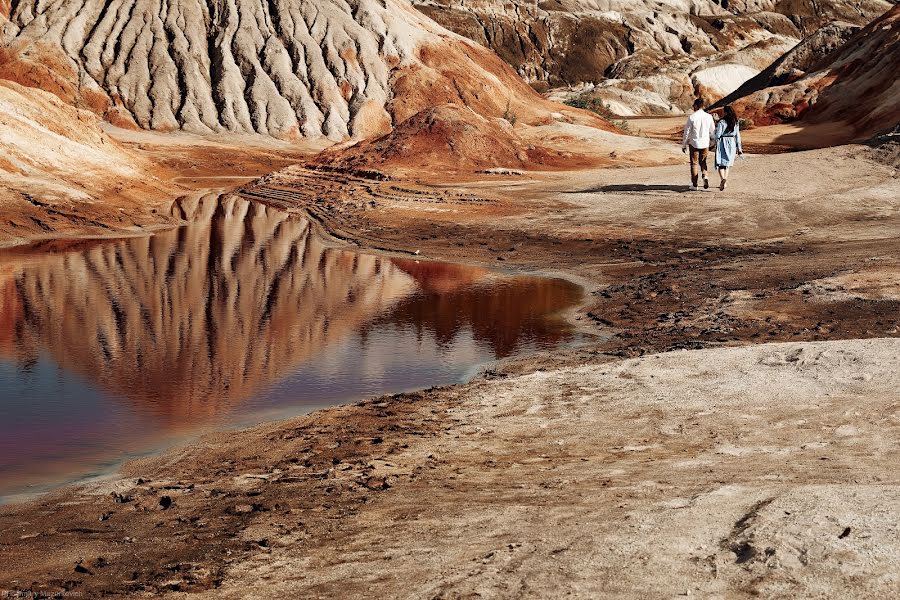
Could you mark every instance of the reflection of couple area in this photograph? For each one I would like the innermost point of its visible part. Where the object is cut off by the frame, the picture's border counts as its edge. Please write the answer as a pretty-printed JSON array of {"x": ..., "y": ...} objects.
[{"x": 191, "y": 321}]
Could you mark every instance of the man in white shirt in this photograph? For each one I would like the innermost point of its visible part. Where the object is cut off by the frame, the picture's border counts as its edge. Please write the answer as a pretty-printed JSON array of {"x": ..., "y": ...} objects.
[{"x": 697, "y": 136}]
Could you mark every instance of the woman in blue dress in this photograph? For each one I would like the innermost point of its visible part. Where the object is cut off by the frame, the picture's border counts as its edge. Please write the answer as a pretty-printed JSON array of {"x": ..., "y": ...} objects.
[{"x": 728, "y": 144}]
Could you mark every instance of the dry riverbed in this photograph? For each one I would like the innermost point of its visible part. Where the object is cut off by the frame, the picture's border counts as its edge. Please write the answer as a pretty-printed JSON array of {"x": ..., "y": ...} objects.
[{"x": 679, "y": 452}]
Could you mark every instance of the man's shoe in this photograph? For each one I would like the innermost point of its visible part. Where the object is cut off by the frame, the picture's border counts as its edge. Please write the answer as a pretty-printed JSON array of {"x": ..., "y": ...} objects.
[
  {"x": 706, "y": 183},
  {"x": 695, "y": 188}
]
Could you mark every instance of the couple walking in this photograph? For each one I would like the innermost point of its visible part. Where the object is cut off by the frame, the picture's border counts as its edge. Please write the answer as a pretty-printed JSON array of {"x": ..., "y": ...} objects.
[{"x": 700, "y": 132}]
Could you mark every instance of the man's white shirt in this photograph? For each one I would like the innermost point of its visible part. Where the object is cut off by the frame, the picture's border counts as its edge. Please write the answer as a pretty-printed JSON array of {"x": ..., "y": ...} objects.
[{"x": 698, "y": 130}]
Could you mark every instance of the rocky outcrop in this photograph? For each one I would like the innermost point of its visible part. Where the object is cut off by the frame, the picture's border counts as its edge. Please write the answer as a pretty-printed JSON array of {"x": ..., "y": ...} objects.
[
  {"x": 885, "y": 148},
  {"x": 646, "y": 58},
  {"x": 276, "y": 67},
  {"x": 802, "y": 58},
  {"x": 858, "y": 85},
  {"x": 650, "y": 83}
]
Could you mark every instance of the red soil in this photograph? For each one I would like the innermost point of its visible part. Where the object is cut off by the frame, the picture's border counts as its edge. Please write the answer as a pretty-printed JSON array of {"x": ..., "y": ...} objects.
[{"x": 450, "y": 136}]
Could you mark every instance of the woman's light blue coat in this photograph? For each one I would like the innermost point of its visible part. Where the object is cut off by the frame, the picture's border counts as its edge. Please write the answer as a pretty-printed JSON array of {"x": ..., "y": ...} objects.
[{"x": 727, "y": 146}]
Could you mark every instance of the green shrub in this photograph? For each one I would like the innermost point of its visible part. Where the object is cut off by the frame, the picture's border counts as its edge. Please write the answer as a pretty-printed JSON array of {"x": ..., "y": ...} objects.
[
  {"x": 591, "y": 103},
  {"x": 599, "y": 107},
  {"x": 577, "y": 102},
  {"x": 510, "y": 116}
]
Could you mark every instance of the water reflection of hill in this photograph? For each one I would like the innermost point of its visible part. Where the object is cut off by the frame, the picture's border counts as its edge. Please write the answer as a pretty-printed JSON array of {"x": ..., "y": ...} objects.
[
  {"x": 196, "y": 319},
  {"x": 190, "y": 322},
  {"x": 501, "y": 313}
]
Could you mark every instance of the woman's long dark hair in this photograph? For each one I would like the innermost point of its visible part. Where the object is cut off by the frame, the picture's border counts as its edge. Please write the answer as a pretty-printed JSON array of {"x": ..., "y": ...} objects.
[{"x": 731, "y": 119}]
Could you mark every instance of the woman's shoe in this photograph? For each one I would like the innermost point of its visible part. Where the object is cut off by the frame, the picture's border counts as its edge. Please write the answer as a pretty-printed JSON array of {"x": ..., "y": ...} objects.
[{"x": 723, "y": 185}]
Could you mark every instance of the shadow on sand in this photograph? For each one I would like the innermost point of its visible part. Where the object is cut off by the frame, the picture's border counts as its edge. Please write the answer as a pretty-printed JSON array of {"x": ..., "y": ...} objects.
[{"x": 635, "y": 187}]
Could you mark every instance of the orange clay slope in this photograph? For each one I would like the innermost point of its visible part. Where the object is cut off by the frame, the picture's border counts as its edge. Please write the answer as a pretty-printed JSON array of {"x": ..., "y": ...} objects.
[
  {"x": 856, "y": 87},
  {"x": 66, "y": 66},
  {"x": 60, "y": 173}
]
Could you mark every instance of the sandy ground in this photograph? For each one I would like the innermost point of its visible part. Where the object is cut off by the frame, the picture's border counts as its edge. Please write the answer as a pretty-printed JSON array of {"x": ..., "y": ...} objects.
[
  {"x": 730, "y": 430},
  {"x": 760, "y": 471}
]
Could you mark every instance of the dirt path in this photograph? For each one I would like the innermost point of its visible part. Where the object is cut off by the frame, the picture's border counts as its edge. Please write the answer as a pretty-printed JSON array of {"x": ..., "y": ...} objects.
[
  {"x": 728, "y": 471},
  {"x": 669, "y": 268}
]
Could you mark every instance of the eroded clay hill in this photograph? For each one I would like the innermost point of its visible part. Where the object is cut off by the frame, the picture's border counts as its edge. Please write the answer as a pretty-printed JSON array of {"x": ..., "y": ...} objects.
[
  {"x": 281, "y": 68},
  {"x": 857, "y": 85},
  {"x": 323, "y": 69},
  {"x": 649, "y": 57}
]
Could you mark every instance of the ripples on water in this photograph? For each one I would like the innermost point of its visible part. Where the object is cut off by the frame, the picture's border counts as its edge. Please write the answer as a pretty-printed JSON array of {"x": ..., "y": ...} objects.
[{"x": 115, "y": 348}]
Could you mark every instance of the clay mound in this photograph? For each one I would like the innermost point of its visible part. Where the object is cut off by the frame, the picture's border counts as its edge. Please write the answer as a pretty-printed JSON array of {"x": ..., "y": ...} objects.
[
  {"x": 858, "y": 85},
  {"x": 281, "y": 68},
  {"x": 44, "y": 142},
  {"x": 448, "y": 136},
  {"x": 56, "y": 163}
]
